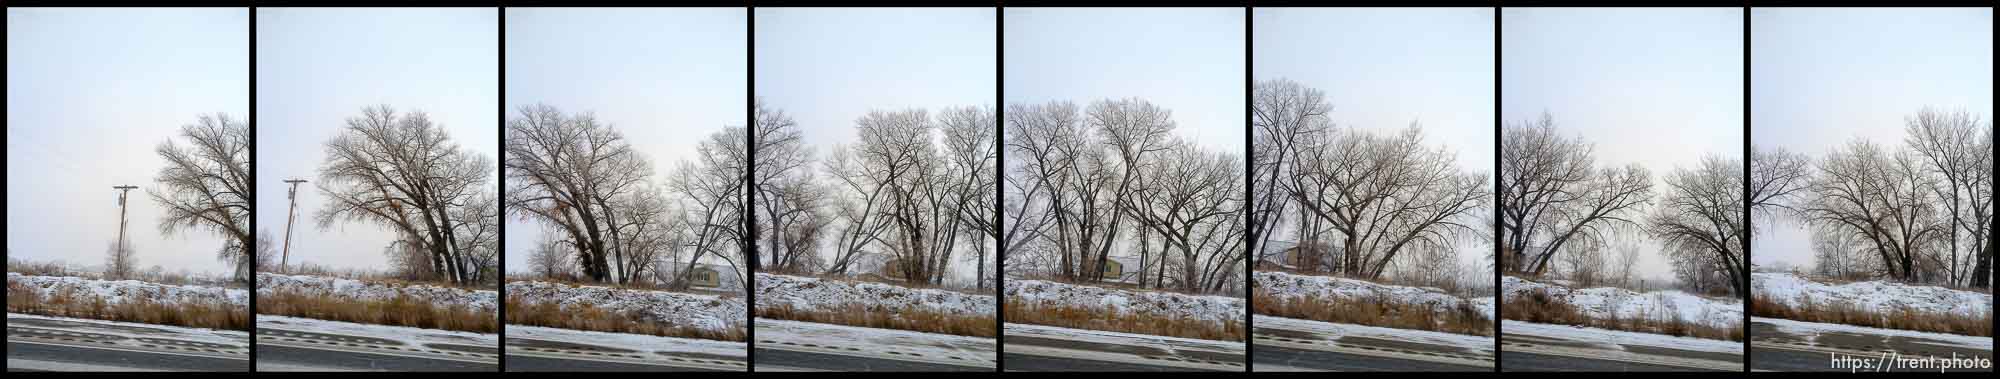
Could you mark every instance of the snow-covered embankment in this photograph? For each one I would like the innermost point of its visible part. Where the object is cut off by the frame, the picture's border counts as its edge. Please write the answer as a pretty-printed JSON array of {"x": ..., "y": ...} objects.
[
  {"x": 677, "y": 309},
  {"x": 1623, "y": 304},
  {"x": 349, "y": 289},
  {"x": 115, "y": 292}
]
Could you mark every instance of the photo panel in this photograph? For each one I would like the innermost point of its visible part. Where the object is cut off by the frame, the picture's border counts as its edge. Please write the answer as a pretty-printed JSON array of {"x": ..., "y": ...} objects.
[
  {"x": 128, "y": 179},
  {"x": 1123, "y": 181},
  {"x": 874, "y": 189},
  {"x": 625, "y": 152},
  {"x": 1401, "y": 99},
  {"x": 1871, "y": 189},
  {"x": 382, "y": 139},
  {"x": 1621, "y": 209}
]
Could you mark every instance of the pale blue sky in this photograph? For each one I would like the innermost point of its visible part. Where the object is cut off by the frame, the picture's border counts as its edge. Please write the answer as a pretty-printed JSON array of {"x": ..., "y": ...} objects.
[
  {"x": 90, "y": 93},
  {"x": 1821, "y": 77},
  {"x": 1187, "y": 60},
  {"x": 665, "y": 77},
  {"x": 827, "y": 67},
  {"x": 318, "y": 66},
  {"x": 1384, "y": 68},
  {"x": 1661, "y": 87}
]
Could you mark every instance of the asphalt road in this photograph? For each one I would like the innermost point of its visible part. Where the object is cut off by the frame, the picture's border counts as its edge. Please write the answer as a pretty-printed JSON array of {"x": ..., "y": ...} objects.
[
  {"x": 1306, "y": 359},
  {"x": 531, "y": 354},
  {"x": 39, "y": 344},
  {"x": 527, "y": 363},
  {"x": 291, "y": 350},
  {"x": 286, "y": 358},
  {"x": 843, "y": 362},
  {"x": 1772, "y": 349},
  {"x": 1518, "y": 361},
  {"x": 1024, "y": 362},
  {"x": 40, "y": 356}
]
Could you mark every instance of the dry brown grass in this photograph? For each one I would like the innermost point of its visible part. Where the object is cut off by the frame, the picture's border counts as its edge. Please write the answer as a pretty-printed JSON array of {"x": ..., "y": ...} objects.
[
  {"x": 1381, "y": 311},
  {"x": 1539, "y": 307},
  {"x": 1100, "y": 318},
  {"x": 402, "y": 310},
  {"x": 586, "y": 316},
  {"x": 912, "y": 319},
  {"x": 1903, "y": 318},
  {"x": 211, "y": 314}
]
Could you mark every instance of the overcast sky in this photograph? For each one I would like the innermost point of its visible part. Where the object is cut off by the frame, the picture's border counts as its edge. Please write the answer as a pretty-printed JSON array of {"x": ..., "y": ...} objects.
[
  {"x": 1821, "y": 77},
  {"x": 665, "y": 77},
  {"x": 1186, "y": 60},
  {"x": 90, "y": 94},
  {"x": 827, "y": 67},
  {"x": 1385, "y": 68},
  {"x": 318, "y": 66},
  {"x": 1661, "y": 87}
]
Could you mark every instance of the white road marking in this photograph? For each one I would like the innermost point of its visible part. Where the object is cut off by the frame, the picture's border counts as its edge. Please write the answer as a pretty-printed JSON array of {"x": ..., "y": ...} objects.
[
  {"x": 511, "y": 350},
  {"x": 127, "y": 349},
  {"x": 1062, "y": 353},
  {"x": 347, "y": 349}
]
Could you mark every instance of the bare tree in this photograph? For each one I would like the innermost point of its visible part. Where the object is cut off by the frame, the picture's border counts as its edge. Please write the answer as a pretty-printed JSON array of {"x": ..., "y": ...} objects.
[
  {"x": 1285, "y": 114},
  {"x": 267, "y": 255},
  {"x": 550, "y": 258},
  {"x": 1958, "y": 151},
  {"x": 1882, "y": 197},
  {"x": 1702, "y": 214},
  {"x": 119, "y": 262},
  {"x": 711, "y": 191},
  {"x": 788, "y": 200},
  {"x": 403, "y": 172},
  {"x": 1184, "y": 199},
  {"x": 1384, "y": 194},
  {"x": 206, "y": 185},
  {"x": 970, "y": 152},
  {"x": 1551, "y": 194},
  {"x": 568, "y": 170},
  {"x": 1842, "y": 255}
]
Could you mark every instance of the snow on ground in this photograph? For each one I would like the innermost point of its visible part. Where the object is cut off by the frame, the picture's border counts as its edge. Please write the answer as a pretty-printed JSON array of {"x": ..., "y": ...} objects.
[
  {"x": 1875, "y": 295},
  {"x": 1613, "y": 339},
  {"x": 1119, "y": 339},
  {"x": 708, "y": 312},
  {"x": 1335, "y": 331},
  {"x": 1202, "y": 307},
  {"x": 630, "y": 341},
  {"x": 932, "y": 344},
  {"x": 408, "y": 335},
  {"x": 129, "y": 329},
  {"x": 1285, "y": 285},
  {"x": 1814, "y": 329},
  {"x": 117, "y": 291},
  {"x": 482, "y": 300},
  {"x": 1605, "y": 302},
  {"x": 809, "y": 294}
]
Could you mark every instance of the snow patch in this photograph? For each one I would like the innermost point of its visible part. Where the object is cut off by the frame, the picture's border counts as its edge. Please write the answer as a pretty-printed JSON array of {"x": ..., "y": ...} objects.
[
  {"x": 1814, "y": 329},
  {"x": 120, "y": 291},
  {"x": 409, "y": 336},
  {"x": 477, "y": 300},
  {"x": 706, "y": 312},
  {"x": 630, "y": 341},
  {"x": 1334, "y": 331},
  {"x": 1875, "y": 296},
  {"x": 1613, "y": 339},
  {"x": 1216, "y": 309},
  {"x": 811, "y": 294},
  {"x": 1609, "y": 302},
  {"x": 130, "y": 329}
]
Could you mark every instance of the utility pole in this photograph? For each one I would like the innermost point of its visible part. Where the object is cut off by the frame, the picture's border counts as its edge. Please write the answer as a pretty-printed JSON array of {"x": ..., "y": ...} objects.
[
  {"x": 122, "y": 190},
  {"x": 293, "y": 197}
]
